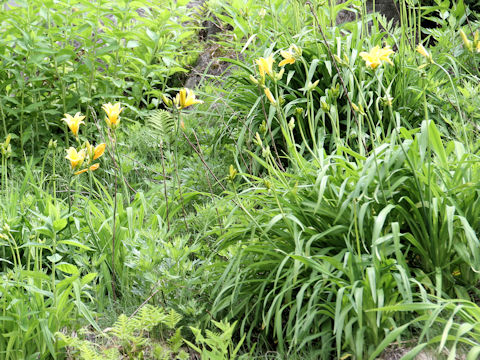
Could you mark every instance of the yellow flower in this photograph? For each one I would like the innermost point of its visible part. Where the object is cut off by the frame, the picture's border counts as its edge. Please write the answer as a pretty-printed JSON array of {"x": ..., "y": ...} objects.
[
  {"x": 422, "y": 51},
  {"x": 73, "y": 122},
  {"x": 91, "y": 168},
  {"x": 290, "y": 55},
  {"x": 270, "y": 96},
  {"x": 185, "y": 98},
  {"x": 265, "y": 66},
  {"x": 76, "y": 158},
  {"x": 466, "y": 42},
  {"x": 376, "y": 56},
  {"x": 113, "y": 114},
  {"x": 98, "y": 151}
]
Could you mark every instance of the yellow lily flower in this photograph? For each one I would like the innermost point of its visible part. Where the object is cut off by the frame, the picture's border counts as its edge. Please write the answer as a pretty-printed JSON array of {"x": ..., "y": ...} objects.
[
  {"x": 74, "y": 122},
  {"x": 290, "y": 55},
  {"x": 265, "y": 66},
  {"x": 91, "y": 168},
  {"x": 75, "y": 158},
  {"x": 422, "y": 51},
  {"x": 376, "y": 56},
  {"x": 98, "y": 151},
  {"x": 185, "y": 98},
  {"x": 113, "y": 114}
]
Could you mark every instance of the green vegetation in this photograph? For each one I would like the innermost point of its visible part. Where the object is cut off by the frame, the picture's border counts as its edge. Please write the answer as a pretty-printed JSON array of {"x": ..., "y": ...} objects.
[{"x": 314, "y": 197}]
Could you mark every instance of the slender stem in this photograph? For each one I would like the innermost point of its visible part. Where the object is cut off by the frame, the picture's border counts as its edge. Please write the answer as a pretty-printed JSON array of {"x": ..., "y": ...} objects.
[
  {"x": 114, "y": 144},
  {"x": 209, "y": 184},
  {"x": 165, "y": 185},
  {"x": 177, "y": 177}
]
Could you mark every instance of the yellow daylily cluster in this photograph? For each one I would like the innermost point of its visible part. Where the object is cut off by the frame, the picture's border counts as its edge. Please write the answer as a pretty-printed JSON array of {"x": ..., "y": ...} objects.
[
  {"x": 471, "y": 45},
  {"x": 184, "y": 98},
  {"x": 88, "y": 153},
  {"x": 265, "y": 68},
  {"x": 376, "y": 56}
]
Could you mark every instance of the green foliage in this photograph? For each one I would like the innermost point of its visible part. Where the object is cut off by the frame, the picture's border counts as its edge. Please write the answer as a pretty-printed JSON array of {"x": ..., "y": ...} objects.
[
  {"x": 129, "y": 337},
  {"x": 62, "y": 56},
  {"x": 216, "y": 345},
  {"x": 331, "y": 216}
]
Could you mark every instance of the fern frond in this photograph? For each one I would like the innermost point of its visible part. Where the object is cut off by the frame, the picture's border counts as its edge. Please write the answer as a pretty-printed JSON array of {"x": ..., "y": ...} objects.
[
  {"x": 172, "y": 319},
  {"x": 161, "y": 122}
]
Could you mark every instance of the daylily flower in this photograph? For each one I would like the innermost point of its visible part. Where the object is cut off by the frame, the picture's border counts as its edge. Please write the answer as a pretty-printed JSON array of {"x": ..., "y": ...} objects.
[
  {"x": 113, "y": 114},
  {"x": 376, "y": 56},
  {"x": 290, "y": 55},
  {"x": 98, "y": 151},
  {"x": 74, "y": 122},
  {"x": 76, "y": 158},
  {"x": 91, "y": 168},
  {"x": 422, "y": 51},
  {"x": 185, "y": 98},
  {"x": 265, "y": 66}
]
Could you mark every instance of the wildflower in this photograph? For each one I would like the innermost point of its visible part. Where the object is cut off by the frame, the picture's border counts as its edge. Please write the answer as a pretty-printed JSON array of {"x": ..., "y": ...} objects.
[
  {"x": 262, "y": 13},
  {"x": 91, "y": 168},
  {"x": 265, "y": 66},
  {"x": 290, "y": 55},
  {"x": 98, "y": 151},
  {"x": 185, "y": 98},
  {"x": 468, "y": 44},
  {"x": 376, "y": 56},
  {"x": 422, "y": 51},
  {"x": 76, "y": 158},
  {"x": 113, "y": 114},
  {"x": 270, "y": 96},
  {"x": 74, "y": 122}
]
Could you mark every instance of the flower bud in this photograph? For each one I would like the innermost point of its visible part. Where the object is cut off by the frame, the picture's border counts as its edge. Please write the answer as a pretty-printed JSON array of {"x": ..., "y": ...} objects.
[
  {"x": 263, "y": 127},
  {"x": 325, "y": 107},
  {"x": 279, "y": 75},
  {"x": 258, "y": 139},
  {"x": 52, "y": 144},
  {"x": 311, "y": 86},
  {"x": 266, "y": 152},
  {"x": 232, "y": 173},
  {"x": 291, "y": 124},
  {"x": 167, "y": 100}
]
